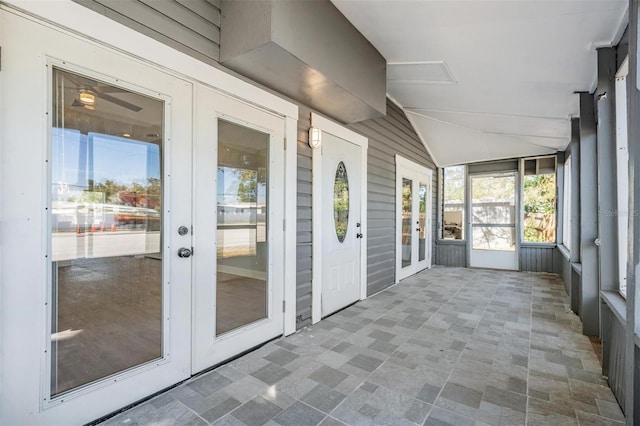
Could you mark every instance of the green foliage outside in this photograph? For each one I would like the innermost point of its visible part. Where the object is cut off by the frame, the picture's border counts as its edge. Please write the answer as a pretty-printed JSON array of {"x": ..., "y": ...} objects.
[{"x": 540, "y": 208}]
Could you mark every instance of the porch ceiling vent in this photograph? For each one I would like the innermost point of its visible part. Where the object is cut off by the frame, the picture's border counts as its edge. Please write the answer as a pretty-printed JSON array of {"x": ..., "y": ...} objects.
[{"x": 308, "y": 51}]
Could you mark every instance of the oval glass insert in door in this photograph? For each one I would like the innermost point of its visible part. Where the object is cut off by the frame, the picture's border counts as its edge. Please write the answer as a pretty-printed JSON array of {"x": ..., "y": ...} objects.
[
  {"x": 242, "y": 243},
  {"x": 341, "y": 201},
  {"x": 106, "y": 230}
]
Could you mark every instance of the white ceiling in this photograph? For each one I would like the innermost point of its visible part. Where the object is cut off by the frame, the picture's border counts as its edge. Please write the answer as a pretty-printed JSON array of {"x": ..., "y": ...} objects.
[{"x": 489, "y": 79}]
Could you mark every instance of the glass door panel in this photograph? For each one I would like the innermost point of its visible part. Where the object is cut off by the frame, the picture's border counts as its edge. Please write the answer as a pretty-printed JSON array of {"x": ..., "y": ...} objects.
[
  {"x": 407, "y": 220},
  {"x": 106, "y": 230},
  {"x": 413, "y": 188},
  {"x": 238, "y": 261},
  {"x": 242, "y": 288},
  {"x": 422, "y": 221}
]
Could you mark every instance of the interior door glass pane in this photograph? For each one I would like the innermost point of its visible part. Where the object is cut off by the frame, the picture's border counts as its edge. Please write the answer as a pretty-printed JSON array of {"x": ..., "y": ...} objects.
[
  {"x": 422, "y": 221},
  {"x": 341, "y": 201},
  {"x": 106, "y": 230},
  {"x": 494, "y": 238},
  {"x": 242, "y": 246},
  {"x": 493, "y": 200},
  {"x": 407, "y": 227}
]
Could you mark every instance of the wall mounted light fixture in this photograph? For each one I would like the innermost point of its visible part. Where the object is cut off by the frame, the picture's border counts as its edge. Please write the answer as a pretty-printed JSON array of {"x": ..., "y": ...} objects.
[{"x": 315, "y": 137}]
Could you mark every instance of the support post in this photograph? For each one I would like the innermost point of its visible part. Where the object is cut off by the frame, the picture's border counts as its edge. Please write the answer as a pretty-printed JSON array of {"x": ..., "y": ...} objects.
[
  {"x": 607, "y": 196},
  {"x": 632, "y": 385},
  {"x": 574, "y": 257},
  {"x": 589, "y": 293}
]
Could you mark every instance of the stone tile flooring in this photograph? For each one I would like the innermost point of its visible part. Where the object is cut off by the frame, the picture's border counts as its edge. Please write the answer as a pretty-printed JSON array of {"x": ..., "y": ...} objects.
[{"x": 447, "y": 346}]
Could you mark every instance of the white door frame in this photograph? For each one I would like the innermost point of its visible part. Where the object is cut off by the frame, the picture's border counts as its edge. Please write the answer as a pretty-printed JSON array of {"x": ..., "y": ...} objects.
[
  {"x": 415, "y": 169},
  {"x": 208, "y": 348},
  {"x": 82, "y": 24},
  {"x": 494, "y": 259},
  {"x": 328, "y": 126}
]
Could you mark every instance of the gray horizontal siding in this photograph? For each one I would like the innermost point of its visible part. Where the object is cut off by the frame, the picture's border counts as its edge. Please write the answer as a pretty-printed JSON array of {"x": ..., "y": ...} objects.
[
  {"x": 304, "y": 224},
  {"x": 451, "y": 254},
  {"x": 540, "y": 259},
  {"x": 388, "y": 136},
  {"x": 190, "y": 26}
]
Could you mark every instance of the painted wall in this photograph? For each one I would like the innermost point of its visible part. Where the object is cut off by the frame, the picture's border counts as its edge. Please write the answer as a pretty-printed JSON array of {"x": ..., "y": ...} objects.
[{"x": 192, "y": 27}]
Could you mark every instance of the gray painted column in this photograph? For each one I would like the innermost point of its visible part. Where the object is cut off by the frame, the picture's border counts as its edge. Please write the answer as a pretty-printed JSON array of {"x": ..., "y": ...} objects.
[
  {"x": 632, "y": 391},
  {"x": 574, "y": 256},
  {"x": 607, "y": 194},
  {"x": 589, "y": 292}
]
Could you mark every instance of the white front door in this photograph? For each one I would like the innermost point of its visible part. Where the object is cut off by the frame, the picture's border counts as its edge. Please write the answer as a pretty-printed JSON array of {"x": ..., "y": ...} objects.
[
  {"x": 413, "y": 218},
  {"x": 237, "y": 233},
  {"x": 341, "y": 223},
  {"x": 493, "y": 221}
]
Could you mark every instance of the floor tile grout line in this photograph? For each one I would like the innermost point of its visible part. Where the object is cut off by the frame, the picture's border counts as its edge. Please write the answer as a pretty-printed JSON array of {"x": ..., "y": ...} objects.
[{"x": 526, "y": 408}]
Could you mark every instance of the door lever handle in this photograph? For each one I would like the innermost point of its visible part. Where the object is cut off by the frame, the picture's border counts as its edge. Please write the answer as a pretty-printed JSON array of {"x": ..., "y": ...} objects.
[{"x": 359, "y": 235}]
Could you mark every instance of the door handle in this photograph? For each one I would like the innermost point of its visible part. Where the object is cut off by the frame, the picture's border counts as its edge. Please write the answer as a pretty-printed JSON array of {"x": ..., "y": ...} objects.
[
  {"x": 359, "y": 235},
  {"x": 185, "y": 252}
]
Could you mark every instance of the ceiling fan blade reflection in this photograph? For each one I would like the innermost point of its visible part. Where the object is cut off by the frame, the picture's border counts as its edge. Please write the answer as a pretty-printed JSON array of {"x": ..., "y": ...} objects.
[
  {"x": 120, "y": 102},
  {"x": 108, "y": 89}
]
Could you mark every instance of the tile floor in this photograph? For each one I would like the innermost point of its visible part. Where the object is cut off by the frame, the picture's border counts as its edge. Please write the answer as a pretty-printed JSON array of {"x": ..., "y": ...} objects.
[{"x": 447, "y": 346}]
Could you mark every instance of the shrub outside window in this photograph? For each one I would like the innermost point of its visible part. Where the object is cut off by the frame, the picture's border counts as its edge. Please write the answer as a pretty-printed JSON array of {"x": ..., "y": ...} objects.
[
  {"x": 539, "y": 190},
  {"x": 453, "y": 203}
]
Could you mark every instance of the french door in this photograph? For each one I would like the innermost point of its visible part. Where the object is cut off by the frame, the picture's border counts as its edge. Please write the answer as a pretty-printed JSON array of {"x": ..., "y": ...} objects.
[
  {"x": 238, "y": 209},
  {"x": 493, "y": 221},
  {"x": 413, "y": 218},
  {"x": 148, "y": 227}
]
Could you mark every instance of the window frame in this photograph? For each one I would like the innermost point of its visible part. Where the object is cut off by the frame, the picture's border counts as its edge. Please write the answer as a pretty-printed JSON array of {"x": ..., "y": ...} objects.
[
  {"x": 522, "y": 198},
  {"x": 566, "y": 204},
  {"x": 441, "y": 210},
  {"x": 622, "y": 174}
]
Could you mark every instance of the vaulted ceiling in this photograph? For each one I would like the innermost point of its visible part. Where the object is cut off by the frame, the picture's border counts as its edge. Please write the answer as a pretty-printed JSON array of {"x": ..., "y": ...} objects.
[{"x": 488, "y": 79}]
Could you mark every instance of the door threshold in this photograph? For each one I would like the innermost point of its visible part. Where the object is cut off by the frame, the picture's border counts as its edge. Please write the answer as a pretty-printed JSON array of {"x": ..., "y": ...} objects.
[{"x": 167, "y": 389}]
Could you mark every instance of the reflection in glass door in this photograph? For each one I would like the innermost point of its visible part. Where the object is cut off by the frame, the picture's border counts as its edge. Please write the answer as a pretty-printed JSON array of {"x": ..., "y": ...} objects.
[
  {"x": 242, "y": 288},
  {"x": 407, "y": 221},
  {"x": 106, "y": 230},
  {"x": 422, "y": 221},
  {"x": 493, "y": 221}
]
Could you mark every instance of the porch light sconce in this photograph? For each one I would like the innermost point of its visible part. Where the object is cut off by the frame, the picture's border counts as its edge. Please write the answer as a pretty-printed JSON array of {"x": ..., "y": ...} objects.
[{"x": 315, "y": 137}]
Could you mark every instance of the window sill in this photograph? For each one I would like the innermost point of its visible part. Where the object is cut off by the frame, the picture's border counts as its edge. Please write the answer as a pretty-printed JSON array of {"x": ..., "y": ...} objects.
[
  {"x": 452, "y": 242},
  {"x": 577, "y": 267},
  {"x": 538, "y": 245},
  {"x": 564, "y": 251},
  {"x": 617, "y": 304}
]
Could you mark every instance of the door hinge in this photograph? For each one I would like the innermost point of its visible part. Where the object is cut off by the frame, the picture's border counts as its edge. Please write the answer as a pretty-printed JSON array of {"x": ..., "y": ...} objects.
[
  {"x": 284, "y": 225},
  {"x": 285, "y": 144},
  {"x": 284, "y": 303}
]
